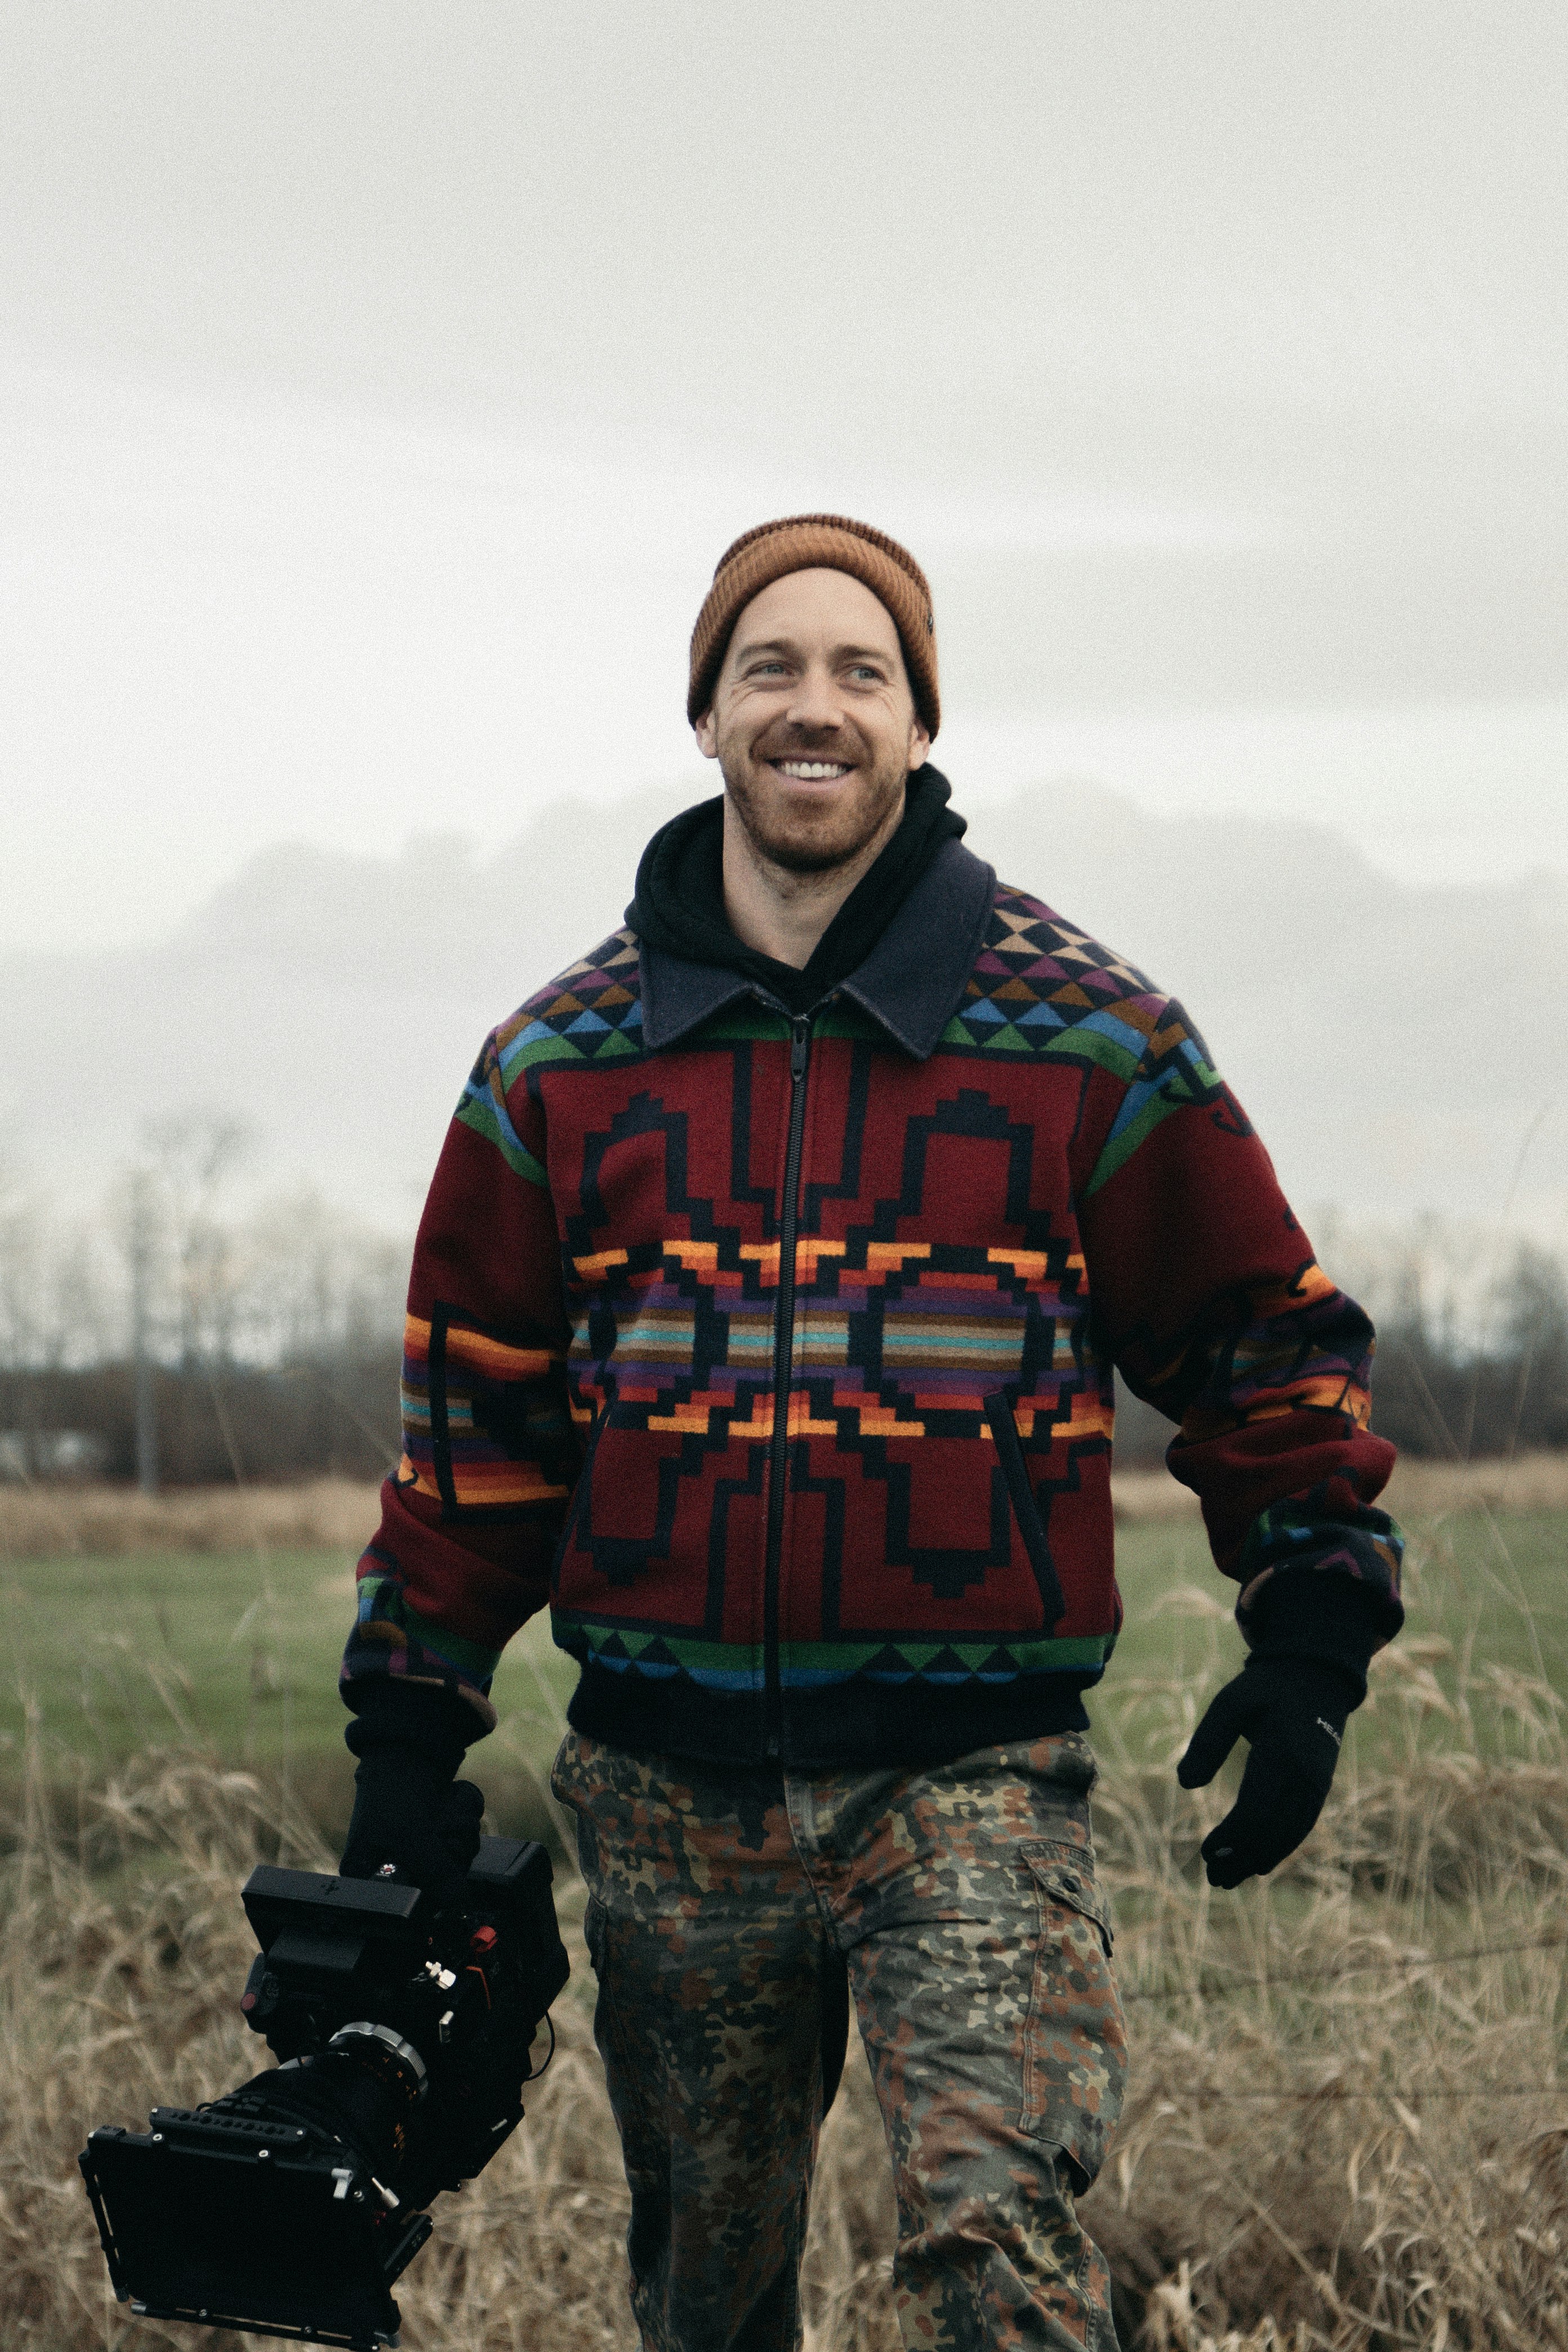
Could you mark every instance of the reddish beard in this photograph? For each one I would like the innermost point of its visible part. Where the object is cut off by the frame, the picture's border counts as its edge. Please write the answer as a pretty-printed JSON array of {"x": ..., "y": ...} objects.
[{"x": 803, "y": 838}]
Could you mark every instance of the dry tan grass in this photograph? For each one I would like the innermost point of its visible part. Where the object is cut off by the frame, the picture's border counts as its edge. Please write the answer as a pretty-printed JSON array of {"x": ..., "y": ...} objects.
[
  {"x": 1345, "y": 2130},
  {"x": 1417, "y": 1491},
  {"x": 1528, "y": 1482},
  {"x": 37, "y": 1521},
  {"x": 340, "y": 1514},
  {"x": 119, "y": 1959}
]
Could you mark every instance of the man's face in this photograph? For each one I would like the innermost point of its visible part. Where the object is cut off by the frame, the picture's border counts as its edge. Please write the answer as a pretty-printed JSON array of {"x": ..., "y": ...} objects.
[{"x": 813, "y": 723}]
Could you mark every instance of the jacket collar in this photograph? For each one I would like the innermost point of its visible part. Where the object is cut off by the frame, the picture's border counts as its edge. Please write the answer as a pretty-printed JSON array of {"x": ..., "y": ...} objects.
[{"x": 912, "y": 983}]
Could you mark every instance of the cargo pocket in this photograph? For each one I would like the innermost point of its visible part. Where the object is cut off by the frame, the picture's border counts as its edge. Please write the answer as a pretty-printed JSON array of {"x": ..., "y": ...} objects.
[{"x": 1075, "y": 2042}]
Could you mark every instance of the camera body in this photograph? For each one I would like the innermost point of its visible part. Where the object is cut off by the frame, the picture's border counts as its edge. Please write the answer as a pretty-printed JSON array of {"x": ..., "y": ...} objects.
[{"x": 290, "y": 2207}]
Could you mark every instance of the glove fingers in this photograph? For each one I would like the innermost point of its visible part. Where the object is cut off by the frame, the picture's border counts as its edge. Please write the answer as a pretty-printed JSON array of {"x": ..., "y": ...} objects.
[
  {"x": 1211, "y": 1742},
  {"x": 1275, "y": 1809},
  {"x": 461, "y": 1815}
]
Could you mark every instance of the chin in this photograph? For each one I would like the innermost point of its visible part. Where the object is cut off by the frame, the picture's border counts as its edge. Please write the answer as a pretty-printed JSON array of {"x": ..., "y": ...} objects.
[
  {"x": 811, "y": 856},
  {"x": 816, "y": 849}
]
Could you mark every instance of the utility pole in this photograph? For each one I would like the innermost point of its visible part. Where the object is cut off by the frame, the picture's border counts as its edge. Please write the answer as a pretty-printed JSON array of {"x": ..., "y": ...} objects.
[{"x": 141, "y": 1237}]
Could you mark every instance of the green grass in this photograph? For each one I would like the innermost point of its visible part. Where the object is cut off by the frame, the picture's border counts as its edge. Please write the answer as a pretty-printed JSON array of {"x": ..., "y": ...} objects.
[
  {"x": 241, "y": 1652},
  {"x": 1486, "y": 1639}
]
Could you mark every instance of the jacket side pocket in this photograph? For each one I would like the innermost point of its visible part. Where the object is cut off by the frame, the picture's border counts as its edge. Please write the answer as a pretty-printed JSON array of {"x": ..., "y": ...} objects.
[
  {"x": 1025, "y": 1510},
  {"x": 577, "y": 1512},
  {"x": 1075, "y": 2041}
]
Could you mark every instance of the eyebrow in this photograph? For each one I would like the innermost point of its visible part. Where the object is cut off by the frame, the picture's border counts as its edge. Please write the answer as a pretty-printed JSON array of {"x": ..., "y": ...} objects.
[{"x": 788, "y": 645}]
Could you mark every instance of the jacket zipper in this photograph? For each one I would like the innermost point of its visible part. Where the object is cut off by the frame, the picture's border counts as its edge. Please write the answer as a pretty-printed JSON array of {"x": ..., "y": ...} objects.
[{"x": 783, "y": 1355}]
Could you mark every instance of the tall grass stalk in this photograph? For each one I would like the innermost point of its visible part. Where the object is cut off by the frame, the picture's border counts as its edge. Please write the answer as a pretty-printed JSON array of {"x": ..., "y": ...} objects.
[{"x": 1345, "y": 2133}]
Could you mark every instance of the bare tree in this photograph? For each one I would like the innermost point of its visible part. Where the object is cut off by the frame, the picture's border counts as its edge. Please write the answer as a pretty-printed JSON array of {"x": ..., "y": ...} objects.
[
  {"x": 190, "y": 1159},
  {"x": 179, "y": 1257},
  {"x": 142, "y": 1230}
]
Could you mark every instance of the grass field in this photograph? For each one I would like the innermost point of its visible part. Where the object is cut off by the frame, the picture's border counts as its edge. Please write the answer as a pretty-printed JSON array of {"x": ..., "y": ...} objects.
[
  {"x": 1346, "y": 2130},
  {"x": 234, "y": 1646}
]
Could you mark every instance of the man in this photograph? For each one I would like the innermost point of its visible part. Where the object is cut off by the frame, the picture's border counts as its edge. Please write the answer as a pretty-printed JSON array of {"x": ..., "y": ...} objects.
[{"x": 763, "y": 1322}]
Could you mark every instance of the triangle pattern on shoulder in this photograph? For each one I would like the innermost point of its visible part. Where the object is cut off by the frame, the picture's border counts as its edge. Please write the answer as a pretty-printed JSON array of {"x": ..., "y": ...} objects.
[
  {"x": 592, "y": 1010},
  {"x": 1039, "y": 986}
]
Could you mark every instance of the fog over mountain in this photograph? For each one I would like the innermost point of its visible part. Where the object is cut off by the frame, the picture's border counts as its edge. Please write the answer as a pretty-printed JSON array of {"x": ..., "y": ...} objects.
[
  {"x": 379, "y": 386},
  {"x": 1401, "y": 1050}
]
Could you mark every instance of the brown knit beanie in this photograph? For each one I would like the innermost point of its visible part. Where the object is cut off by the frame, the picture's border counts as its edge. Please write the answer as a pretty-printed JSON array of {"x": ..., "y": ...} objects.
[{"x": 805, "y": 544}]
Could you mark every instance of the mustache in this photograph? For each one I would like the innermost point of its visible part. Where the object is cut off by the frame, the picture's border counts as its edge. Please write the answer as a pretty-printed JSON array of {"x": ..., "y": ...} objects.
[{"x": 842, "y": 743}]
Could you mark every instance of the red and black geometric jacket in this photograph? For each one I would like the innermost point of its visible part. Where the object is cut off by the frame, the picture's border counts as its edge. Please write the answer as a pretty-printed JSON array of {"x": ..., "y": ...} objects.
[{"x": 776, "y": 1356}]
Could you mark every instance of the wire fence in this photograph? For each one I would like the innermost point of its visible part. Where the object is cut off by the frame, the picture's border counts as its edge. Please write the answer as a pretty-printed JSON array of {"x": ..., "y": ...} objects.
[
  {"x": 1396, "y": 2094},
  {"x": 1221, "y": 1979},
  {"x": 1409, "y": 2095}
]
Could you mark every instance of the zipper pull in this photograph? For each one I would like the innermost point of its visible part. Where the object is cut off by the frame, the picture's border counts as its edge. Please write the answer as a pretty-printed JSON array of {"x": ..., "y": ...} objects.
[{"x": 800, "y": 1038}]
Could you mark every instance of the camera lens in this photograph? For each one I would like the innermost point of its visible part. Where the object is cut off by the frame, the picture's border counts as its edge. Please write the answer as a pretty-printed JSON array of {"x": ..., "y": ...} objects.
[{"x": 361, "y": 2090}]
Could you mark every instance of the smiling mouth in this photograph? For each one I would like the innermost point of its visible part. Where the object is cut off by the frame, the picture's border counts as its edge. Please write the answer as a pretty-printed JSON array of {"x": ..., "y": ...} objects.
[{"x": 812, "y": 771}]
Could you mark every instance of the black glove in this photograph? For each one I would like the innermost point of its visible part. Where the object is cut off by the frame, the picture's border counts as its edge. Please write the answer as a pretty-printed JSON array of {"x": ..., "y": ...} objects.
[
  {"x": 1313, "y": 1635},
  {"x": 408, "y": 1810},
  {"x": 1293, "y": 1710}
]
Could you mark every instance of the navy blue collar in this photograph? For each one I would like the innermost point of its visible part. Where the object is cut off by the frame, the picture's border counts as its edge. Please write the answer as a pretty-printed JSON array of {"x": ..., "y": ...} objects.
[{"x": 912, "y": 983}]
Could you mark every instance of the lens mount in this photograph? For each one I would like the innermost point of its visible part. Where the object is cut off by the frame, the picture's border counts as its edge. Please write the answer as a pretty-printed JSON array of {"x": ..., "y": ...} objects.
[{"x": 388, "y": 2054}]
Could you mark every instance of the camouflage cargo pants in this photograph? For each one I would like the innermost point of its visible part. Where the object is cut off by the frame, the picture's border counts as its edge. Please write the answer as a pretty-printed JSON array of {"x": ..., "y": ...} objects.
[{"x": 963, "y": 1902}]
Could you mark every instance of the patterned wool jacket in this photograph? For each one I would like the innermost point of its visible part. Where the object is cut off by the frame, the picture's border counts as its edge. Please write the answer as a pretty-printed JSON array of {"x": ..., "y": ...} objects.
[{"x": 775, "y": 1354}]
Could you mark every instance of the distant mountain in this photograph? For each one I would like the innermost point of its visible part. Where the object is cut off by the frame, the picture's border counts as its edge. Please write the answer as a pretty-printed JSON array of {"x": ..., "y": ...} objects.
[
  {"x": 1399, "y": 1050},
  {"x": 334, "y": 1002}
]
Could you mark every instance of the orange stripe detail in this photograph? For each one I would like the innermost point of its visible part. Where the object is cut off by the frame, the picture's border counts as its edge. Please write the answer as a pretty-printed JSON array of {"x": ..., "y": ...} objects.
[
  {"x": 1331, "y": 1394},
  {"x": 692, "y": 1415},
  {"x": 933, "y": 1279},
  {"x": 699, "y": 1255},
  {"x": 799, "y": 1423},
  {"x": 508, "y": 1482},
  {"x": 877, "y": 1419},
  {"x": 413, "y": 1473},
  {"x": 489, "y": 1355},
  {"x": 594, "y": 1269},
  {"x": 702, "y": 1257}
]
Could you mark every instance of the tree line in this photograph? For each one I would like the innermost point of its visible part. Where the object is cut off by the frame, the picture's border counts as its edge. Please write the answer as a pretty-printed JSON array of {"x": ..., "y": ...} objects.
[{"x": 187, "y": 1332}]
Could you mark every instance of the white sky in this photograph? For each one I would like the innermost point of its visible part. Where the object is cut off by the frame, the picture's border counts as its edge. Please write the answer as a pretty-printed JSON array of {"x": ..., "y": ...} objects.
[{"x": 379, "y": 382}]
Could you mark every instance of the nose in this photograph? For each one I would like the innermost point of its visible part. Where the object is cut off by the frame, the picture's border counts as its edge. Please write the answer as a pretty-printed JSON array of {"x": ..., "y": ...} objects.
[{"x": 815, "y": 706}]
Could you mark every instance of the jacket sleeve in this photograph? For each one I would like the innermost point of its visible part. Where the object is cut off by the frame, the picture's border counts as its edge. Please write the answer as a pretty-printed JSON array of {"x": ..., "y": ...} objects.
[
  {"x": 1208, "y": 1298},
  {"x": 470, "y": 1519}
]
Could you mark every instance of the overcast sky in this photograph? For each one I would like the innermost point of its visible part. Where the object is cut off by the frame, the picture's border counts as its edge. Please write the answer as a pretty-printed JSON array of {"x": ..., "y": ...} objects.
[{"x": 379, "y": 384}]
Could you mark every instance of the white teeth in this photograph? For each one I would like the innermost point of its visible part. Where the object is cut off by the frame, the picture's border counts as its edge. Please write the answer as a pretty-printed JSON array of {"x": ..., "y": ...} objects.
[{"x": 812, "y": 771}]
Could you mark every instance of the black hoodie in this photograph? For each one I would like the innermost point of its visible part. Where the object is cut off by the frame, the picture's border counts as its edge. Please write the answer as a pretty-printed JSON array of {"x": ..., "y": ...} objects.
[{"x": 680, "y": 901}]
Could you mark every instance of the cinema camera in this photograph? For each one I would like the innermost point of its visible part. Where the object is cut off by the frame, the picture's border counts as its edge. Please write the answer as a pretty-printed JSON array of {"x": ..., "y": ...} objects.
[{"x": 291, "y": 2207}]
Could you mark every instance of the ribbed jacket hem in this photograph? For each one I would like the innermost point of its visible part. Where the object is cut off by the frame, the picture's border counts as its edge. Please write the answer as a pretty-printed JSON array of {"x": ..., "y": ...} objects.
[{"x": 854, "y": 1723}]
